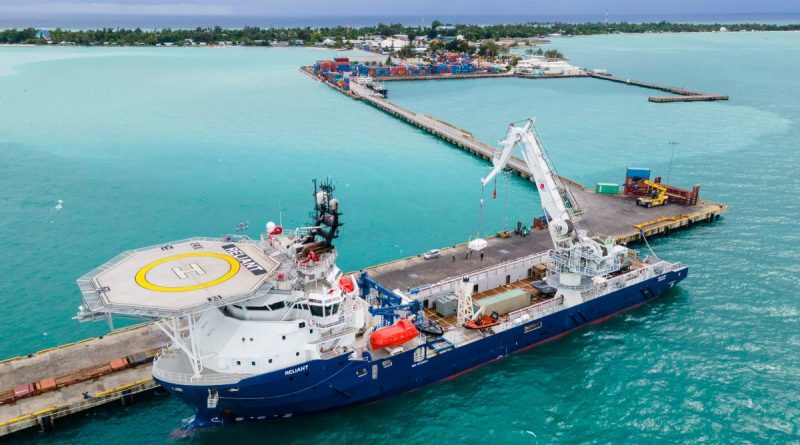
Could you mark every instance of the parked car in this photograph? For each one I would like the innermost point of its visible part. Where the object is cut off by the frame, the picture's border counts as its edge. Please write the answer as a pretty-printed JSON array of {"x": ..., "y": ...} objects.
[{"x": 431, "y": 254}]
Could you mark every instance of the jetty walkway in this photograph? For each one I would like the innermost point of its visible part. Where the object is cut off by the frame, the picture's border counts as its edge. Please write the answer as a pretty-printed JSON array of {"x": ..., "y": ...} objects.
[{"x": 681, "y": 94}]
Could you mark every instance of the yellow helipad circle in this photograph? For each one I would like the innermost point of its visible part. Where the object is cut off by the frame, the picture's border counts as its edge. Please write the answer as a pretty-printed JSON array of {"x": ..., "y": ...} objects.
[{"x": 141, "y": 276}]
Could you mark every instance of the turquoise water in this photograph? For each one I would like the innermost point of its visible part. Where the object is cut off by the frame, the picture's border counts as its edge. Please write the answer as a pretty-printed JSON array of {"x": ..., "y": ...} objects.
[{"x": 148, "y": 145}]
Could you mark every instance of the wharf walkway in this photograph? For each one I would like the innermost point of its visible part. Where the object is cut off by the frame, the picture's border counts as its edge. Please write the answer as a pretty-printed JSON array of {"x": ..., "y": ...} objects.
[
  {"x": 68, "y": 398},
  {"x": 450, "y": 76},
  {"x": 681, "y": 94}
]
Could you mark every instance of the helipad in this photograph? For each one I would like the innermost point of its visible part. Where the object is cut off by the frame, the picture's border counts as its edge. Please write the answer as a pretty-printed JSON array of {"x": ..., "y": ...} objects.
[{"x": 178, "y": 278}]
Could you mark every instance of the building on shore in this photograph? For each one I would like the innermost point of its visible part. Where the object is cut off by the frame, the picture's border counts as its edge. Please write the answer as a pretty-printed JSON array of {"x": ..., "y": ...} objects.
[{"x": 541, "y": 65}]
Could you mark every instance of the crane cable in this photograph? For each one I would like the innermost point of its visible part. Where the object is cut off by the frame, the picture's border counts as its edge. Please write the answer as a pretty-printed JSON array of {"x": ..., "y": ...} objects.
[
  {"x": 480, "y": 213},
  {"x": 641, "y": 231}
]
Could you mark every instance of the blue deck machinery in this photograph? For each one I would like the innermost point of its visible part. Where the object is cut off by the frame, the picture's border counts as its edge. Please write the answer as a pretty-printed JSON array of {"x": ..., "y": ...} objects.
[{"x": 391, "y": 304}]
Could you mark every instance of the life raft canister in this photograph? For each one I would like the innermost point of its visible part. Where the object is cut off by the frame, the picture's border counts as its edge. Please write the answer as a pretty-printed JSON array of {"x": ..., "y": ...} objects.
[{"x": 346, "y": 284}]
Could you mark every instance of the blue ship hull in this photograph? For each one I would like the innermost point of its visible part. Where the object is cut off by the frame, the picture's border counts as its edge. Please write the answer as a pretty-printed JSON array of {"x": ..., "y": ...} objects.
[{"x": 322, "y": 385}]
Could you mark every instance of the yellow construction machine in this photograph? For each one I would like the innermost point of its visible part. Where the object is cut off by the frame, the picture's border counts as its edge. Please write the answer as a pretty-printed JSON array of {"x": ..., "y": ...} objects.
[{"x": 656, "y": 195}]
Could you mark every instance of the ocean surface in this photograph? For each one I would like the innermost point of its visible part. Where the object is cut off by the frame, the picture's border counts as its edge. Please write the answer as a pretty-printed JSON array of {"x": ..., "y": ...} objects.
[{"x": 149, "y": 145}]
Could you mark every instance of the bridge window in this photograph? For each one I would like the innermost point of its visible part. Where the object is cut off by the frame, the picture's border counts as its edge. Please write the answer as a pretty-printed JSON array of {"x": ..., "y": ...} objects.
[
  {"x": 278, "y": 305},
  {"x": 316, "y": 311},
  {"x": 331, "y": 309},
  {"x": 361, "y": 372}
]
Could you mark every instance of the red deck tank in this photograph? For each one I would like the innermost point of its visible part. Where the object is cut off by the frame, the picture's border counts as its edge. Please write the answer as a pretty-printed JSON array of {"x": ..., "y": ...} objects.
[{"x": 394, "y": 335}]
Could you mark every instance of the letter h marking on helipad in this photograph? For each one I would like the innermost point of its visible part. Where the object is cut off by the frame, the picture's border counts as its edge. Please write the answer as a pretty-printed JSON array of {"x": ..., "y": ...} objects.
[{"x": 193, "y": 267}]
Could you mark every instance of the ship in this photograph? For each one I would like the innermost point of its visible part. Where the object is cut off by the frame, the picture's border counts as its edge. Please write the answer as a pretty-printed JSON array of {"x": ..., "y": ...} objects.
[{"x": 271, "y": 328}]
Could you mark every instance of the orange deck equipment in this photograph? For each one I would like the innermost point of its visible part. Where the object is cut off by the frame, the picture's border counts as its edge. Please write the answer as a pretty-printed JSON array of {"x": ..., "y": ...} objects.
[{"x": 394, "y": 335}]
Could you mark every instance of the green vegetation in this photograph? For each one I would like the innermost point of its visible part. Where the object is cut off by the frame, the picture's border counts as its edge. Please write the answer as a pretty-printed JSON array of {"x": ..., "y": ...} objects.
[
  {"x": 309, "y": 36},
  {"x": 553, "y": 54},
  {"x": 491, "y": 49}
]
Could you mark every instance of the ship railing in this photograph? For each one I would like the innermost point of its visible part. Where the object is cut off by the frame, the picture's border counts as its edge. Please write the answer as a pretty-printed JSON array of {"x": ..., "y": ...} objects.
[
  {"x": 451, "y": 284},
  {"x": 632, "y": 277},
  {"x": 328, "y": 336},
  {"x": 335, "y": 352},
  {"x": 538, "y": 310},
  {"x": 169, "y": 357},
  {"x": 323, "y": 264}
]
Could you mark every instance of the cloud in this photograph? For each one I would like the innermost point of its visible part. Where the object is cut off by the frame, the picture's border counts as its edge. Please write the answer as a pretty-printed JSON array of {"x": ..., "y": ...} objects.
[{"x": 117, "y": 8}]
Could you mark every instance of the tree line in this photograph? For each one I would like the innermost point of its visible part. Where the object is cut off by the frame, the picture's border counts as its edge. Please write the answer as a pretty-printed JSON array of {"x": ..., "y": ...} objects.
[{"x": 309, "y": 36}]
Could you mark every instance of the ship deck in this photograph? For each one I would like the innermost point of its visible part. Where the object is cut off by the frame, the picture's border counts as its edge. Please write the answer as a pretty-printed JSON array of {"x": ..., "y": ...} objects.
[
  {"x": 614, "y": 216},
  {"x": 449, "y": 321}
]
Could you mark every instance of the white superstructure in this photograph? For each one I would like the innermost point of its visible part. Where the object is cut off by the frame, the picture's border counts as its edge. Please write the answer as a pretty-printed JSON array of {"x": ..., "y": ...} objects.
[{"x": 541, "y": 65}]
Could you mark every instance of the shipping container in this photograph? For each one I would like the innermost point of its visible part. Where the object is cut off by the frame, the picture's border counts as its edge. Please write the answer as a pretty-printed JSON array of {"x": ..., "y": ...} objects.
[
  {"x": 6, "y": 396},
  {"x": 22, "y": 391},
  {"x": 118, "y": 364},
  {"x": 606, "y": 188},
  {"x": 45, "y": 385},
  {"x": 504, "y": 303},
  {"x": 137, "y": 359},
  {"x": 637, "y": 172}
]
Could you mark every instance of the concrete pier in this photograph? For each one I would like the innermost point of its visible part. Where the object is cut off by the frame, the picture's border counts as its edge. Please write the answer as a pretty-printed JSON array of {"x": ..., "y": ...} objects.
[
  {"x": 70, "y": 360},
  {"x": 682, "y": 94}
]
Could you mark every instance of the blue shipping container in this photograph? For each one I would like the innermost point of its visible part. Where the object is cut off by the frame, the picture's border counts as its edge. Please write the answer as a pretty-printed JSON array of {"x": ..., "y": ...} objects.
[{"x": 638, "y": 172}]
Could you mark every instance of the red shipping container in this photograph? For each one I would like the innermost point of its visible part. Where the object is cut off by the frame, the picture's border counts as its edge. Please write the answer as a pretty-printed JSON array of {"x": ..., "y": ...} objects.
[
  {"x": 45, "y": 385},
  {"x": 118, "y": 364},
  {"x": 23, "y": 391}
]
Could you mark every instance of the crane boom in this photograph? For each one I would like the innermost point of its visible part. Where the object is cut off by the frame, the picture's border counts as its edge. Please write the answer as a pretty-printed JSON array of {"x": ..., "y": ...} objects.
[
  {"x": 555, "y": 200},
  {"x": 576, "y": 257}
]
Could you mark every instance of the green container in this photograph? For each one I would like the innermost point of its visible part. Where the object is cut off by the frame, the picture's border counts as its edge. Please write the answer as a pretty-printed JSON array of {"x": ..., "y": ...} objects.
[{"x": 606, "y": 188}]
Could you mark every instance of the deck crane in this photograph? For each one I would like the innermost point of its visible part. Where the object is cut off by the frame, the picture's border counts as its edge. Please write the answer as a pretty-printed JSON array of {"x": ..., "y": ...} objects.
[{"x": 576, "y": 257}]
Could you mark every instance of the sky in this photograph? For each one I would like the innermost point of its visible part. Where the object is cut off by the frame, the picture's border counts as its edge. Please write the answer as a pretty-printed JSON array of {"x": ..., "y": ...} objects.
[{"x": 314, "y": 8}]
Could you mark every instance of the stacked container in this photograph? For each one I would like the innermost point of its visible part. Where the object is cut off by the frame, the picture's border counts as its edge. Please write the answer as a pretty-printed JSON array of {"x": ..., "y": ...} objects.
[{"x": 632, "y": 177}]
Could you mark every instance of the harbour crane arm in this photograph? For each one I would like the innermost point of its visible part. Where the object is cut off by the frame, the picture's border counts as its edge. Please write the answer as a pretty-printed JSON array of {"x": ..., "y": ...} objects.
[
  {"x": 576, "y": 257},
  {"x": 552, "y": 192}
]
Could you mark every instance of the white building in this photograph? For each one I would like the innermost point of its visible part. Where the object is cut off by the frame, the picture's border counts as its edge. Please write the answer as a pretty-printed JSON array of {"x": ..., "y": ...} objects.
[
  {"x": 393, "y": 43},
  {"x": 543, "y": 66}
]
